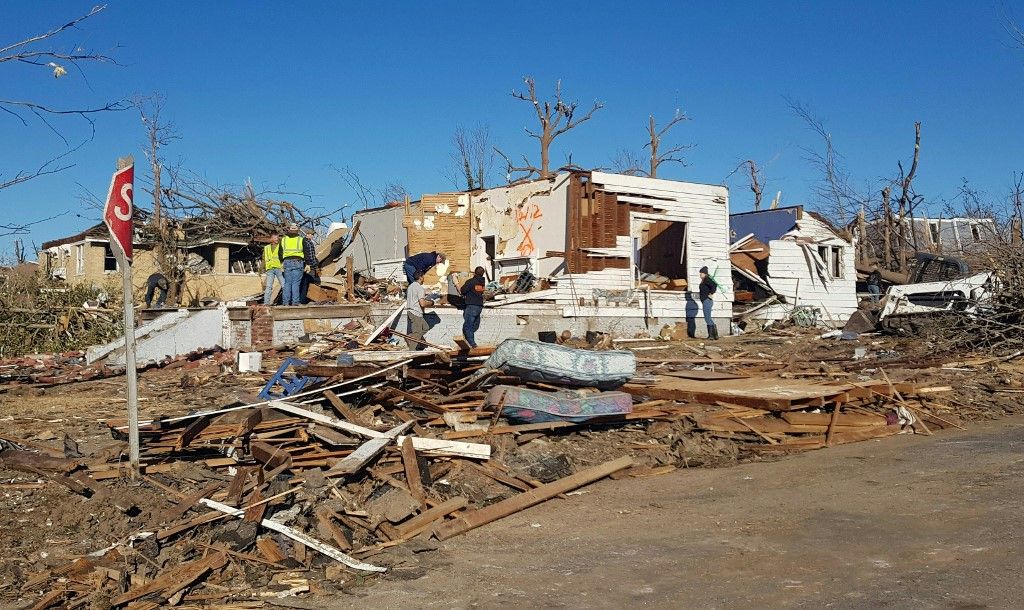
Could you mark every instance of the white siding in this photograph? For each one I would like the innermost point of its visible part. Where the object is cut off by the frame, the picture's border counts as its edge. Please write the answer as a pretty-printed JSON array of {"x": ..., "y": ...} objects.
[
  {"x": 381, "y": 238},
  {"x": 791, "y": 274}
]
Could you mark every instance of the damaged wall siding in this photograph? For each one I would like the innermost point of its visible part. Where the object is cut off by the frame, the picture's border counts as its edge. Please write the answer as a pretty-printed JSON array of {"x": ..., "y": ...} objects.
[
  {"x": 526, "y": 221},
  {"x": 704, "y": 209},
  {"x": 381, "y": 237},
  {"x": 789, "y": 263}
]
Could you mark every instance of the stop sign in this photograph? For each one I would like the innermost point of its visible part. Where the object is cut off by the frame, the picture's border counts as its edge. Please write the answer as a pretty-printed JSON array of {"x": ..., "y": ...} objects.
[{"x": 117, "y": 213}]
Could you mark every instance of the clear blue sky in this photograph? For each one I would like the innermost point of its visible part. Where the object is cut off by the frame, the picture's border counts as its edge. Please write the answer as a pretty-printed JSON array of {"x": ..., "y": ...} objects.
[{"x": 278, "y": 91}]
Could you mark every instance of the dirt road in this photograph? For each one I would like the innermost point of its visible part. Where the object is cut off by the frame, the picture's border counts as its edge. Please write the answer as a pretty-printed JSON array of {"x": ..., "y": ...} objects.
[{"x": 922, "y": 522}]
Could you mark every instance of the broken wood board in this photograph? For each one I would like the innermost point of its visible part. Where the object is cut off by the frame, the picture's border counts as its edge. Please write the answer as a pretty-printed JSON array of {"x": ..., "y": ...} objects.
[
  {"x": 768, "y": 393},
  {"x": 301, "y": 538},
  {"x": 530, "y": 498}
]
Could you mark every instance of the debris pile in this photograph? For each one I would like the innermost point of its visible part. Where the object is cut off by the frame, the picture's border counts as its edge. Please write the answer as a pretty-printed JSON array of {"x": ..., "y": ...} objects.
[{"x": 340, "y": 473}]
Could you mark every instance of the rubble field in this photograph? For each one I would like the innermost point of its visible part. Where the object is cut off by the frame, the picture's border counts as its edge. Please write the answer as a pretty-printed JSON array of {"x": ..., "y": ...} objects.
[{"x": 373, "y": 468}]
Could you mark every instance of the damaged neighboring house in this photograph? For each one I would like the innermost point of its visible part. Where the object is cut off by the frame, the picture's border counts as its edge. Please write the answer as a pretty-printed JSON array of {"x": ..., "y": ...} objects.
[
  {"x": 792, "y": 262},
  {"x": 216, "y": 268},
  {"x": 603, "y": 250}
]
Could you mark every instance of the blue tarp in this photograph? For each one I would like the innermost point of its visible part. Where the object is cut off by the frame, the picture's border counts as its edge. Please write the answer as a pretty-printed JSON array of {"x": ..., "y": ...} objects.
[{"x": 766, "y": 225}]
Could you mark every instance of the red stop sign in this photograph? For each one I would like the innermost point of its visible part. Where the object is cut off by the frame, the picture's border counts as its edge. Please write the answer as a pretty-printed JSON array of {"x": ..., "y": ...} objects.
[{"x": 117, "y": 214}]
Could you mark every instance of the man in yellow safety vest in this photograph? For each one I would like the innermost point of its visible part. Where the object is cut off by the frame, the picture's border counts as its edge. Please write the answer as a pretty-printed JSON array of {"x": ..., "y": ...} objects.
[
  {"x": 296, "y": 253},
  {"x": 272, "y": 267}
]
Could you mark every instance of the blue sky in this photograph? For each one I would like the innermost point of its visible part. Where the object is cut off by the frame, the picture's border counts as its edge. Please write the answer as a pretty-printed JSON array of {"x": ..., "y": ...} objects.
[{"x": 277, "y": 92}]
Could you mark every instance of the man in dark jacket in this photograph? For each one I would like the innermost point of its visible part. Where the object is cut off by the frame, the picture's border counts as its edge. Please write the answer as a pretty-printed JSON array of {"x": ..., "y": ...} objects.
[
  {"x": 707, "y": 288},
  {"x": 421, "y": 262},
  {"x": 156, "y": 282},
  {"x": 473, "y": 293}
]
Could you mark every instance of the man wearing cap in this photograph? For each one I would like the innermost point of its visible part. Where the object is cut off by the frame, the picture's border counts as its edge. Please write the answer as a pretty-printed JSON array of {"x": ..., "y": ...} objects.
[
  {"x": 421, "y": 262},
  {"x": 707, "y": 288},
  {"x": 296, "y": 253},
  {"x": 272, "y": 267},
  {"x": 473, "y": 293}
]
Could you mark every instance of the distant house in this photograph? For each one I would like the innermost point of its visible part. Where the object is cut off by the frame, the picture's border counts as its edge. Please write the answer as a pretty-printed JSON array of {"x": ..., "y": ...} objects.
[
  {"x": 951, "y": 236},
  {"x": 219, "y": 269},
  {"x": 789, "y": 257}
]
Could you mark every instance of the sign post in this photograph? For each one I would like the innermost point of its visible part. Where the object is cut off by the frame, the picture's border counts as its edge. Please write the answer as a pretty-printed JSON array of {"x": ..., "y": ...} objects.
[{"x": 117, "y": 215}]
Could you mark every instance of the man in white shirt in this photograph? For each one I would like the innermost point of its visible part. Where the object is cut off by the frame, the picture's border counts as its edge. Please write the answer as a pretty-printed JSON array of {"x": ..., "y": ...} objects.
[{"x": 415, "y": 301}]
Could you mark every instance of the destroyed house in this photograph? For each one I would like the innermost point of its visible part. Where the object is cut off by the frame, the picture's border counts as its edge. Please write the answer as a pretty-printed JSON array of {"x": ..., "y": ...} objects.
[
  {"x": 792, "y": 262},
  {"x": 606, "y": 250},
  {"x": 216, "y": 268}
]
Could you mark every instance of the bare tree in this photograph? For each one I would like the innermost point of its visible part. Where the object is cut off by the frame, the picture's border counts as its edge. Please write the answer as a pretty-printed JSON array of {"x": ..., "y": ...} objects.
[
  {"x": 841, "y": 200},
  {"x": 393, "y": 191},
  {"x": 654, "y": 136},
  {"x": 626, "y": 162},
  {"x": 366, "y": 196},
  {"x": 756, "y": 177},
  {"x": 555, "y": 117},
  {"x": 472, "y": 157},
  {"x": 160, "y": 133},
  {"x": 35, "y": 51}
]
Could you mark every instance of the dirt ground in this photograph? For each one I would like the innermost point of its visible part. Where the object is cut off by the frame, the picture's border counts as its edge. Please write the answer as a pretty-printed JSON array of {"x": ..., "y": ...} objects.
[{"x": 919, "y": 522}]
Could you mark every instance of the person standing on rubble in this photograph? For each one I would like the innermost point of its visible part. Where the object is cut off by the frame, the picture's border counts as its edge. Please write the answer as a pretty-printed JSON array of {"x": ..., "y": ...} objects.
[
  {"x": 296, "y": 253},
  {"x": 707, "y": 288},
  {"x": 421, "y": 262},
  {"x": 875, "y": 284},
  {"x": 272, "y": 267},
  {"x": 415, "y": 300},
  {"x": 473, "y": 294}
]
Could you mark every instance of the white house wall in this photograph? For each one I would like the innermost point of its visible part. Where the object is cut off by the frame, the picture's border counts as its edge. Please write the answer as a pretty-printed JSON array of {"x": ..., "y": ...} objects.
[
  {"x": 790, "y": 274},
  {"x": 527, "y": 220},
  {"x": 381, "y": 237},
  {"x": 705, "y": 210}
]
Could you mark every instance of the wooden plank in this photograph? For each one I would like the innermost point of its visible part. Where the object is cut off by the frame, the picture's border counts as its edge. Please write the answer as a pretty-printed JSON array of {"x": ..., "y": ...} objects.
[
  {"x": 271, "y": 457},
  {"x": 237, "y": 486},
  {"x": 413, "y": 398},
  {"x": 421, "y": 522},
  {"x": 301, "y": 538},
  {"x": 191, "y": 432},
  {"x": 430, "y": 446},
  {"x": 270, "y": 549},
  {"x": 527, "y": 499},
  {"x": 342, "y": 409},
  {"x": 412, "y": 471},
  {"x": 386, "y": 323},
  {"x": 325, "y": 517},
  {"x": 251, "y": 421},
  {"x": 188, "y": 502},
  {"x": 367, "y": 451},
  {"x": 174, "y": 580}
]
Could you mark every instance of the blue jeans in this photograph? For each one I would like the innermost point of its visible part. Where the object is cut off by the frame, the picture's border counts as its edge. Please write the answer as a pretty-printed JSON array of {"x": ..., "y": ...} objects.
[
  {"x": 875, "y": 291},
  {"x": 409, "y": 270},
  {"x": 291, "y": 293},
  {"x": 268, "y": 292},
  {"x": 471, "y": 323},
  {"x": 708, "y": 304}
]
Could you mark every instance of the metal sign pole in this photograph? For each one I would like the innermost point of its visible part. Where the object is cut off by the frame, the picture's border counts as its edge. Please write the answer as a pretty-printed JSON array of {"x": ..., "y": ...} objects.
[{"x": 129, "y": 364}]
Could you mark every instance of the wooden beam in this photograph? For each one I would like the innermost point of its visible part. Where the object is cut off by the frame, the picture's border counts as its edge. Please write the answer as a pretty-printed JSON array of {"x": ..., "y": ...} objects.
[
  {"x": 527, "y": 499},
  {"x": 420, "y": 522},
  {"x": 367, "y": 451},
  {"x": 412, "y": 471}
]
